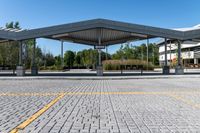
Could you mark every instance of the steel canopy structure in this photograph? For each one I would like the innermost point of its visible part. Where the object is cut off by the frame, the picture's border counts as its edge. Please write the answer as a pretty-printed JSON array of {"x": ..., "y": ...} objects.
[
  {"x": 99, "y": 32},
  {"x": 88, "y": 32}
]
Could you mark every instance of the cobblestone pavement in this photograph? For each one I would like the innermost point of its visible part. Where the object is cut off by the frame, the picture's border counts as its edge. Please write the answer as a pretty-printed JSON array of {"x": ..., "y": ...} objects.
[{"x": 100, "y": 106}]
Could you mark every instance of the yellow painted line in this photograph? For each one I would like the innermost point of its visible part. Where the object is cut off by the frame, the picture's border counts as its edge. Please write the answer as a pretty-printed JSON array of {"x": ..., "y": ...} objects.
[
  {"x": 186, "y": 101},
  {"x": 36, "y": 115}
]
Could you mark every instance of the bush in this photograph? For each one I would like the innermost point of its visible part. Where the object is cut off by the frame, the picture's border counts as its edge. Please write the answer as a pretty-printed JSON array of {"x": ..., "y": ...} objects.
[
  {"x": 126, "y": 65},
  {"x": 51, "y": 68}
]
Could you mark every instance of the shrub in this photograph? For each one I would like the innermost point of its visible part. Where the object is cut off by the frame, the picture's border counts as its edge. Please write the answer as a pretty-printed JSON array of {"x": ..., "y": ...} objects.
[
  {"x": 51, "y": 67},
  {"x": 126, "y": 64}
]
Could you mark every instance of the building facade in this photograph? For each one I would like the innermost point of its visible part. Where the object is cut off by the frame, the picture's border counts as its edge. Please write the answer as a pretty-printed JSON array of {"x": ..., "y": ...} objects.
[{"x": 190, "y": 51}]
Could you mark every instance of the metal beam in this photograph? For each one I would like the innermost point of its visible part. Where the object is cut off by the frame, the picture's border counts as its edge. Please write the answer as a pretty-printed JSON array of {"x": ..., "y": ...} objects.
[
  {"x": 165, "y": 51},
  {"x": 20, "y": 53},
  {"x": 100, "y": 23},
  {"x": 62, "y": 58},
  {"x": 77, "y": 40},
  {"x": 99, "y": 42},
  {"x": 106, "y": 52},
  {"x": 136, "y": 29},
  {"x": 147, "y": 54},
  {"x": 33, "y": 55},
  {"x": 179, "y": 53}
]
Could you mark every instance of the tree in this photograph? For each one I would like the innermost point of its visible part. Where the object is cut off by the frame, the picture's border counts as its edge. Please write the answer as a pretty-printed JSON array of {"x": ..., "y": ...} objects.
[
  {"x": 78, "y": 59},
  {"x": 69, "y": 58},
  {"x": 9, "y": 50},
  {"x": 58, "y": 61},
  {"x": 119, "y": 54},
  {"x": 39, "y": 56},
  {"x": 50, "y": 60},
  {"x": 138, "y": 52}
]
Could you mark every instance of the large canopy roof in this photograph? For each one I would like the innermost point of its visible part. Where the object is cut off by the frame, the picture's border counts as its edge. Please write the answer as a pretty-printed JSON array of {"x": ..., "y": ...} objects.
[{"x": 98, "y": 32}]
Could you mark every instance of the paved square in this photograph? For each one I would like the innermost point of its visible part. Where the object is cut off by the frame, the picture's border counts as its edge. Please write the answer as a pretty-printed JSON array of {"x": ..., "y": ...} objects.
[{"x": 100, "y": 106}]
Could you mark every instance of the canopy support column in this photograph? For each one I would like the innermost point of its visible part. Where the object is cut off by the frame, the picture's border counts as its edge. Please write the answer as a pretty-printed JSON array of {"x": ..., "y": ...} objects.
[
  {"x": 166, "y": 67},
  {"x": 20, "y": 68},
  {"x": 34, "y": 69},
  {"x": 62, "y": 58},
  {"x": 106, "y": 52},
  {"x": 99, "y": 51},
  {"x": 179, "y": 68},
  {"x": 147, "y": 54},
  {"x": 99, "y": 67}
]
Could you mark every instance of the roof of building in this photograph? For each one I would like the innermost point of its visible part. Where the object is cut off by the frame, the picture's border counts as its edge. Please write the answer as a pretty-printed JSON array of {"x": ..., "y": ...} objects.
[
  {"x": 188, "y": 29},
  {"x": 98, "y": 32}
]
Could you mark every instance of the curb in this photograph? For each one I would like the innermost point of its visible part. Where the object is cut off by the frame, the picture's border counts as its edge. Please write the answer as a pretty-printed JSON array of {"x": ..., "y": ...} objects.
[{"x": 100, "y": 78}]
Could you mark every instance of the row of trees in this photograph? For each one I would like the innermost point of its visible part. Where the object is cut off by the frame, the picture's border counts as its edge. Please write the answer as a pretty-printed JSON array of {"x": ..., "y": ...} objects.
[
  {"x": 85, "y": 58},
  {"x": 89, "y": 57},
  {"x": 128, "y": 51},
  {"x": 9, "y": 52}
]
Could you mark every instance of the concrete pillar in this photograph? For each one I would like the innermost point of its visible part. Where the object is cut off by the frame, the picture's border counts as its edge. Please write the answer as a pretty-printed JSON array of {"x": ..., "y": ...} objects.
[
  {"x": 20, "y": 68},
  {"x": 62, "y": 58},
  {"x": 179, "y": 68},
  {"x": 34, "y": 69},
  {"x": 166, "y": 67}
]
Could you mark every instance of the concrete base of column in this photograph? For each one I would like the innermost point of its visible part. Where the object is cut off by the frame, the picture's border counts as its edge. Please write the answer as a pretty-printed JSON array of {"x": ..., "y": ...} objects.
[
  {"x": 166, "y": 70},
  {"x": 20, "y": 70},
  {"x": 34, "y": 70},
  {"x": 179, "y": 70},
  {"x": 99, "y": 70}
]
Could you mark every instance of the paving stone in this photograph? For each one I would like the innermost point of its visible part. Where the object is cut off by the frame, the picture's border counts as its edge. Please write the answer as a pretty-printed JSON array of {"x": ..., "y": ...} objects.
[{"x": 109, "y": 113}]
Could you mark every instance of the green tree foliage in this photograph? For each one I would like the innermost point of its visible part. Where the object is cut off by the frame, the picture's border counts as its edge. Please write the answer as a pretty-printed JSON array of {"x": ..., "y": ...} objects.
[
  {"x": 78, "y": 59},
  {"x": 127, "y": 51},
  {"x": 39, "y": 56},
  {"x": 9, "y": 50},
  {"x": 69, "y": 58},
  {"x": 50, "y": 60},
  {"x": 58, "y": 61}
]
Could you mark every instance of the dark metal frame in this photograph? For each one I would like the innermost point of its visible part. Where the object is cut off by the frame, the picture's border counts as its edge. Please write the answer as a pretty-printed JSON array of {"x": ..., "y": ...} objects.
[{"x": 150, "y": 31}]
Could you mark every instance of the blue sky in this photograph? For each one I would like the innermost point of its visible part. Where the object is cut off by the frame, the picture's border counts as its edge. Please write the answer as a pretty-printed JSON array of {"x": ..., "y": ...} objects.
[{"x": 41, "y": 13}]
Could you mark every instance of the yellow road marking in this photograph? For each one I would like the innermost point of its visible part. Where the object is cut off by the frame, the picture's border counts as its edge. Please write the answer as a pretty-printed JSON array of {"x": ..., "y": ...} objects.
[
  {"x": 186, "y": 101},
  {"x": 61, "y": 95},
  {"x": 36, "y": 115}
]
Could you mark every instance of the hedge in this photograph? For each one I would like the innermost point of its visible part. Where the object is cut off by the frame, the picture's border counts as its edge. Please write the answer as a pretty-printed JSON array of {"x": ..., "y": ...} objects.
[{"x": 126, "y": 65}]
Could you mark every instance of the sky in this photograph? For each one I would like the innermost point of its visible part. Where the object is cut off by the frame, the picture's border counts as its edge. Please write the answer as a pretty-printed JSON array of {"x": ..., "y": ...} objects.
[{"x": 42, "y": 13}]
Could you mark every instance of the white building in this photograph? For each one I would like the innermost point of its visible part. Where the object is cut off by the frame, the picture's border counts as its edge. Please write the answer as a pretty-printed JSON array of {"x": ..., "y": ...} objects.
[{"x": 190, "y": 50}]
